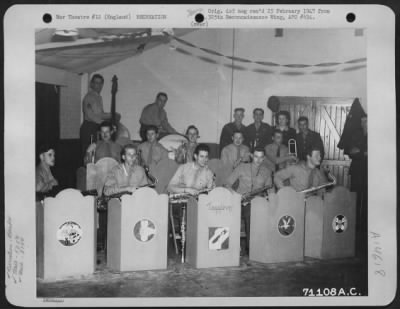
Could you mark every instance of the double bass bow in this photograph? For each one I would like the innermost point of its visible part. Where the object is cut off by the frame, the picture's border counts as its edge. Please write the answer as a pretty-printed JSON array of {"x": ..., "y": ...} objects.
[{"x": 121, "y": 134}]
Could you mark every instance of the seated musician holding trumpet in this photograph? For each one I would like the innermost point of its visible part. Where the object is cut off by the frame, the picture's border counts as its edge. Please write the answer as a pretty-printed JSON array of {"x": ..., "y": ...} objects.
[
  {"x": 235, "y": 153},
  {"x": 305, "y": 174},
  {"x": 193, "y": 177},
  {"x": 254, "y": 179},
  {"x": 105, "y": 148},
  {"x": 185, "y": 152},
  {"x": 126, "y": 176}
]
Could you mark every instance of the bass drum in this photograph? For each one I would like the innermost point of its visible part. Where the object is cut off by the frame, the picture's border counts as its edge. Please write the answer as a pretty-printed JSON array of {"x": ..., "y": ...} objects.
[{"x": 171, "y": 142}]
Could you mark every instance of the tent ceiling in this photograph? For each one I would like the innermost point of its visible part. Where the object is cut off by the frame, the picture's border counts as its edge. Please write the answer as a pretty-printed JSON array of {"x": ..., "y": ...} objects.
[{"x": 92, "y": 49}]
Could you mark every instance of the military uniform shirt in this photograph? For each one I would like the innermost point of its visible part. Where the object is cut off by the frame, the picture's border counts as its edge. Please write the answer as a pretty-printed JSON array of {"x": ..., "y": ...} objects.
[
  {"x": 229, "y": 154},
  {"x": 92, "y": 107},
  {"x": 250, "y": 177},
  {"x": 304, "y": 144},
  {"x": 43, "y": 177},
  {"x": 227, "y": 132},
  {"x": 258, "y": 138},
  {"x": 288, "y": 134},
  {"x": 152, "y": 114},
  {"x": 121, "y": 177},
  {"x": 189, "y": 148},
  {"x": 190, "y": 175},
  {"x": 299, "y": 176},
  {"x": 158, "y": 152},
  {"x": 271, "y": 151}
]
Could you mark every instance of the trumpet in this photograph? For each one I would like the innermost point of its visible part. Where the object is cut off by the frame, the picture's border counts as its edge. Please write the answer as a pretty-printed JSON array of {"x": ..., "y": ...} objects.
[{"x": 292, "y": 144}]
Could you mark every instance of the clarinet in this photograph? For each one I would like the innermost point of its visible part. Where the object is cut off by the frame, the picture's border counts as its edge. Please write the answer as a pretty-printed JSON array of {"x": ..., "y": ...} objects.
[
  {"x": 153, "y": 180},
  {"x": 182, "y": 198},
  {"x": 176, "y": 198},
  {"x": 102, "y": 201}
]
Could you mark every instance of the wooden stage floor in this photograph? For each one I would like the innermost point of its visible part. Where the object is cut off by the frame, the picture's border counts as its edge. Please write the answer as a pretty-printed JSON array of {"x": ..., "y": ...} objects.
[{"x": 250, "y": 279}]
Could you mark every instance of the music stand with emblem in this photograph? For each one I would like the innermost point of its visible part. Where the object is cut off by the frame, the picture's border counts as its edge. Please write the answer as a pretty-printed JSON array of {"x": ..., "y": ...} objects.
[
  {"x": 66, "y": 237},
  {"x": 330, "y": 224},
  {"x": 277, "y": 227},
  {"x": 137, "y": 231}
]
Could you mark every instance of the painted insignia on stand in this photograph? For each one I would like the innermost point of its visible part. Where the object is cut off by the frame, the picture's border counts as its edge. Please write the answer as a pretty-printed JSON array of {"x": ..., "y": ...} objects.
[
  {"x": 339, "y": 224},
  {"x": 144, "y": 230},
  {"x": 286, "y": 225},
  {"x": 69, "y": 233}
]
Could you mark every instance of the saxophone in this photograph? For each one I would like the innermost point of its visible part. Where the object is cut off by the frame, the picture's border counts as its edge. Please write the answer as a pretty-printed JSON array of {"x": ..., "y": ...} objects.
[
  {"x": 312, "y": 190},
  {"x": 247, "y": 197},
  {"x": 183, "y": 197}
]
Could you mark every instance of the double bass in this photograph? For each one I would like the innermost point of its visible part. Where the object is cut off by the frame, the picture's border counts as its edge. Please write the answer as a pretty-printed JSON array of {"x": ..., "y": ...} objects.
[{"x": 121, "y": 134}]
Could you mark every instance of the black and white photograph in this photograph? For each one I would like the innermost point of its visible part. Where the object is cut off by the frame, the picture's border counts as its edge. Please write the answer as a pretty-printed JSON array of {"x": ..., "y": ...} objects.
[{"x": 214, "y": 161}]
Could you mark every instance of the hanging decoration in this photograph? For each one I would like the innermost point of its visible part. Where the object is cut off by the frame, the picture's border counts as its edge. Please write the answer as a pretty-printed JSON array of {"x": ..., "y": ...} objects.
[{"x": 351, "y": 65}]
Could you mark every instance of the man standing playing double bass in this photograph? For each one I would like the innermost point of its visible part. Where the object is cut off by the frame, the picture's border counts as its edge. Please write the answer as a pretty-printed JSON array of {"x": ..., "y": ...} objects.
[{"x": 93, "y": 113}]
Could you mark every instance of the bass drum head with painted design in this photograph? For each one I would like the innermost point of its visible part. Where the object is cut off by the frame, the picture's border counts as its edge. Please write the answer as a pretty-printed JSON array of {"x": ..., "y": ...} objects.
[{"x": 172, "y": 142}]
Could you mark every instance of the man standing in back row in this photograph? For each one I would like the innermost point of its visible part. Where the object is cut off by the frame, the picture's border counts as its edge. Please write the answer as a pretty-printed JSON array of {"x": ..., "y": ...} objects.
[
  {"x": 154, "y": 114},
  {"x": 306, "y": 139},
  {"x": 231, "y": 127},
  {"x": 259, "y": 133}
]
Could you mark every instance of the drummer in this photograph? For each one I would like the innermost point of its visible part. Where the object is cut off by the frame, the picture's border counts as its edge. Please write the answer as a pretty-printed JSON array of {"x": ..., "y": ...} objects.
[
  {"x": 152, "y": 151},
  {"x": 195, "y": 176},
  {"x": 154, "y": 114},
  {"x": 185, "y": 152}
]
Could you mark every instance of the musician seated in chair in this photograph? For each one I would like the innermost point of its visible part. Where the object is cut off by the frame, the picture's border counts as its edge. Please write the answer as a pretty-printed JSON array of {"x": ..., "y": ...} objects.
[
  {"x": 185, "y": 152},
  {"x": 236, "y": 152},
  {"x": 46, "y": 184},
  {"x": 152, "y": 151},
  {"x": 277, "y": 154},
  {"x": 195, "y": 176},
  {"x": 105, "y": 148},
  {"x": 126, "y": 176},
  {"x": 252, "y": 176},
  {"x": 303, "y": 175}
]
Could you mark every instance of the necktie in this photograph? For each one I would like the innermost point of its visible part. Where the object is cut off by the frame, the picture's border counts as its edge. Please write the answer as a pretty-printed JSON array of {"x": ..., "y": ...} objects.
[
  {"x": 195, "y": 177},
  {"x": 159, "y": 117},
  {"x": 311, "y": 178},
  {"x": 278, "y": 154},
  {"x": 237, "y": 153},
  {"x": 150, "y": 155}
]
